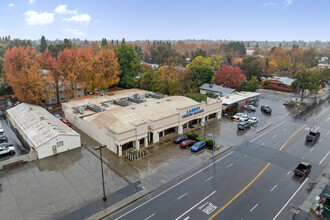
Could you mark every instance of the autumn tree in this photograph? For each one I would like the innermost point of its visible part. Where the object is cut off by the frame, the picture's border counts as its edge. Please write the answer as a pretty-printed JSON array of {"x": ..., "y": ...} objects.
[
  {"x": 23, "y": 74},
  {"x": 216, "y": 61},
  {"x": 201, "y": 62},
  {"x": 171, "y": 80},
  {"x": 229, "y": 76},
  {"x": 310, "y": 58},
  {"x": 269, "y": 66},
  {"x": 105, "y": 70},
  {"x": 281, "y": 58},
  {"x": 296, "y": 56},
  {"x": 84, "y": 66}
]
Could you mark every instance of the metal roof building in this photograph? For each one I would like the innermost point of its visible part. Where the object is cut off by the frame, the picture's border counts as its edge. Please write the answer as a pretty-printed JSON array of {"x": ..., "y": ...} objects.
[
  {"x": 215, "y": 89},
  {"x": 41, "y": 131}
]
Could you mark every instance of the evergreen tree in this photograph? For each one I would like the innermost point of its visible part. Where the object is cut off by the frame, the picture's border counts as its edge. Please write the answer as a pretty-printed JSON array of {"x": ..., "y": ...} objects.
[
  {"x": 104, "y": 42},
  {"x": 43, "y": 44}
]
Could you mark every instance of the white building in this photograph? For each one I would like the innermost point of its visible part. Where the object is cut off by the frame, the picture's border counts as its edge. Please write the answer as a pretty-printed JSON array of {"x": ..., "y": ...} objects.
[
  {"x": 41, "y": 131},
  {"x": 135, "y": 118}
]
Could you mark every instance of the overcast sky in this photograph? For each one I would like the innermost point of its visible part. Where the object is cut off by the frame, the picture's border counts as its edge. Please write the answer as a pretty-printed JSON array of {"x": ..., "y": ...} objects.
[{"x": 166, "y": 20}]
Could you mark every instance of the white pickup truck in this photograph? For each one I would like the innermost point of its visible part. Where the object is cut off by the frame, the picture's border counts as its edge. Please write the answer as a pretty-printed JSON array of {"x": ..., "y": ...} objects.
[{"x": 7, "y": 150}]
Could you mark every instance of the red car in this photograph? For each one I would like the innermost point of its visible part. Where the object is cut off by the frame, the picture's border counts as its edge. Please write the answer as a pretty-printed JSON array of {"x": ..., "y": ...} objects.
[
  {"x": 187, "y": 143},
  {"x": 65, "y": 121}
]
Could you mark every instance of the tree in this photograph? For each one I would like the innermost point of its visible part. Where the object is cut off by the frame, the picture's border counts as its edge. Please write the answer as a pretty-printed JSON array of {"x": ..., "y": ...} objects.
[
  {"x": 251, "y": 66},
  {"x": 201, "y": 62},
  {"x": 310, "y": 58},
  {"x": 147, "y": 77},
  {"x": 23, "y": 74},
  {"x": 171, "y": 80},
  {"x": 216, "y": 61},
  {"x": 106, "y": 69},
  {"x": 104, "y": 42},
  {"x": 201, "y": 74},
  {"x": 43, "y": 44},
  {"x": 229, "y": 76},
  {"x": 129, "y": 66},
  {"x": 269, "y": 66},
  {"x": 198, "y": 52},
  {"x": 306, "y": 80},
  {"x": 281, "y": 58},
  {"x": 250, "y": 86},
  {"x": 85, "y": 67}
]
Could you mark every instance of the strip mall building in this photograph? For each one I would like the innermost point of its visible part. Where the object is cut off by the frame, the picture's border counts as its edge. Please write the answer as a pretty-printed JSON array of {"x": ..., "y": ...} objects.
[{"x": 134, "y": 118}]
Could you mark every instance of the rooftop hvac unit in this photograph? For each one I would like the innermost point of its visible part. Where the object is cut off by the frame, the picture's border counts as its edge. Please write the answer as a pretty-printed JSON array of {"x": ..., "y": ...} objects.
[
  {"x": 95, "y": 108},
  {"x": 139, "y": 96},
  {"x": 157, "y": 95},
  {"x": 122, "y": 102},
  {"x": 79, "y": 109},
  {"x": 136, "y": 100}
]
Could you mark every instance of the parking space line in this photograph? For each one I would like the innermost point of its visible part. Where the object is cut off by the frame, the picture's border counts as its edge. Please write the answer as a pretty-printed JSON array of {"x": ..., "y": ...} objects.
[
  {"x": 182, "y": 196},
  {"x": 273, "y": 188},
  {"x": 230, "y": 165},
  {"x": 195, "y": 205},
  {"x": 290, "y": 199},
  {"x": 288, "y": 172},
  {"x": 208, "y": 179},
  {"x": 150, "y": 216},
  {"x": 324, "y": 157},
  {"x": 254, "y": 207}
]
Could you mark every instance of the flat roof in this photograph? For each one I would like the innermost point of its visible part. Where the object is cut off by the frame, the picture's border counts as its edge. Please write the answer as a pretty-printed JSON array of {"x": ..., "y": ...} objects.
[
  {"x": 38, "y": 124},
  {"x": 223, "y": 91},
  {"x": 237, "y": 97},
  {"x": 121, "y": 119}
]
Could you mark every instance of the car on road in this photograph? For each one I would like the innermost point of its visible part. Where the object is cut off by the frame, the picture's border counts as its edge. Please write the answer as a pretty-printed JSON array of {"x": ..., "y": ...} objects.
[
  {"x": 266, "y": 109},
  {"x": 244, "y": 118},
  {"x": 8, "y": 144},
  {"x": 243, "y": 125},
  {"x": 238, "y": 115},
  {"x": 253, "y": 120},
  {"x": 1, "y": 130},
  {"x": 303, "y": 169},
  {"x": 187, "y": 143},
  {"x": 198, "y": 146},
  {"x": 179, "y": 139},
  {"x": 313, "y": 136},
  {"x": 58, "y": 116},
  {"x": 3, "y": 138},
  {"x": 65, "y": 121},
  {"x": 7, "y": 150},
  {"x": 251, "y": 108}
]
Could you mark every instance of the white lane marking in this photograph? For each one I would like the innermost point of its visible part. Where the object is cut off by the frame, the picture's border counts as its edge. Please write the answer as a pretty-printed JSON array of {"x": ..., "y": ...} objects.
[
  {"x": 208, "y": 179},
  {"x": 254, "y": 207},
  {"x": 273, "y": 188},
  {"x": 274, "y": 136},
  {"x": 182, "y": 196},
  {"x": 328, "y": 119},
  {"x": 321, "y": 140},
  {"x": 324, "y": 157},
  {"x": 328, "y": 132},
  {"x": 284, "y": 129},
  {"x": 150, "y": 216},
  {"x": 312, "y": 149},
  {"x": 267, "y": 131},
  {"x": 230, "y": 165},
  {"x": 317, "y": 128},
  {"x": 290, "y": 199},
  {"x": 263, "y": 144},
  {"x": 288, "y": 172},
  {"x": 186, "y": 218},
  {"x": 195, "y": 205},
  {"x": 245, "y": 155},
  {"x": 165, "y": 191}
]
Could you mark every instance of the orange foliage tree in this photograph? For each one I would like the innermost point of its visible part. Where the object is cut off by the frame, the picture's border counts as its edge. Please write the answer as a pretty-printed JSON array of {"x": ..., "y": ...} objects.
[
  {"x": 281, "y": 58},
  {"x": 105, "y": 70},
  {"x": 23, "y": 74}
]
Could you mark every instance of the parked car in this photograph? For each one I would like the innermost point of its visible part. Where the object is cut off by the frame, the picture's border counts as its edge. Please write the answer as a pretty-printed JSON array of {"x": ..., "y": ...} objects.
[
  {"x": 244, "y": 118},
  {"x": 187, "y": 143},
  {"x": 243, "y": 125},
  {"x": 7, "y": 150},
  {"x": 250, "y": 108},
  {"x": 238, "y": 115},
  {"x": 58, "y": 116},
  {"x": 266, "y": 109},
  {"x": 253, "y": 120},
  {"x": 7, "y": 144},
  {"x": 312, "y": 136},
  {"x": 1, "y": 130},
  {"x": 179, "y": 139},
  {"x": 3, "y": 138},
  {"x": 65, "y": 121},
  {"x": 303, "y": 169},
  {"x": 198, "y": 146}
]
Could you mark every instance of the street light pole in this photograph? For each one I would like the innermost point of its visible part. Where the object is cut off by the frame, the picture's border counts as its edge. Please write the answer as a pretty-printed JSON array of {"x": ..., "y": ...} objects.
[{"x": 100, "y": 148}]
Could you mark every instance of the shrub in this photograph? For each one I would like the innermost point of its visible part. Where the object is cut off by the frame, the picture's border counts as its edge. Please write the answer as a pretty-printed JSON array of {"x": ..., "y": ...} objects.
[
  {"x": 197, "y": 97},
  {"x": 200, "y": 139},
  {"x": 209, "y": 143},
  {"x": 192, "y": 136}
]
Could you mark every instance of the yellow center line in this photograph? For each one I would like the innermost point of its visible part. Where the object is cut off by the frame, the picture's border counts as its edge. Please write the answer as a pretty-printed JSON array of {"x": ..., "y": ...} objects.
[
  {"x": 320, "y": 113},
  {"x": 292, "y": 136},
  {"x": 238, "y": 194}
]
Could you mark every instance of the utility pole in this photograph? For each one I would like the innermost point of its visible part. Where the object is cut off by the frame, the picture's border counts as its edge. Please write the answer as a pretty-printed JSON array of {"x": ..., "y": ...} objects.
[{"x": 100, "y": 148}]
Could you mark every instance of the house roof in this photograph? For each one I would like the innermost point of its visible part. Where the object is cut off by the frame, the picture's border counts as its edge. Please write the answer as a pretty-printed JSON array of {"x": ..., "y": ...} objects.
[
  {"x": 223, "y": 91},
  {"x": 237, "y": 97},
  {"x": 285, "y": 80},
  {"x": 38, "y": 124}
]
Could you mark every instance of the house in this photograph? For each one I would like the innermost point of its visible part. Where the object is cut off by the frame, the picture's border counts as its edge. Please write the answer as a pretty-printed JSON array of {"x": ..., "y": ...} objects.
[
  {"x": 280, "y": 83},
  {"x": 215, "y": 90}
]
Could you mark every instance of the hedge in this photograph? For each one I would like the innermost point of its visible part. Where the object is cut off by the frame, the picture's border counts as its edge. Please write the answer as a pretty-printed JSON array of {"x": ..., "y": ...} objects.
[{"x": 192, "y": 136}]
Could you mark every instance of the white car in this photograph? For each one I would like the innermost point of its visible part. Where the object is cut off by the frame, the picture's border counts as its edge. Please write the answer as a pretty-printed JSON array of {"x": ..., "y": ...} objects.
[
  {"x": 253, "y": 120},
  {"x": 6, "y": 150},
  {"x": 1, "y": 130},
  {"x": 239, "y": 115},
  {"x": 244, "y": 118}
]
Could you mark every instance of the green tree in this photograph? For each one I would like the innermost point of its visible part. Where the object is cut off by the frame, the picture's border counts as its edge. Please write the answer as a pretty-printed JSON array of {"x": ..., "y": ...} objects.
[
  {"x": 198, "y": 52},
  {"x": 201, "y": 74},
  {"x": 306, "y": 80},
  {"x": 129, "y": 66},
  {"x": 251, "y": 66},
  {"x": 310, "y": 58},
  {"x": 250, "y": 86},
  {"x": 43, "y": 44},
  {"x": 104, "y": 42}
]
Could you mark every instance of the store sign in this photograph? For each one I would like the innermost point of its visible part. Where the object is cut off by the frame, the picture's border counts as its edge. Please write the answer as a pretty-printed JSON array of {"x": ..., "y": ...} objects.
[{"x": 192, "y": 111}]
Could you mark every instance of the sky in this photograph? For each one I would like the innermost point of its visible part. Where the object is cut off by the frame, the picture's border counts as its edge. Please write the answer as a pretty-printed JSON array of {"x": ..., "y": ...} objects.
[{"x": 273, "y": 20}]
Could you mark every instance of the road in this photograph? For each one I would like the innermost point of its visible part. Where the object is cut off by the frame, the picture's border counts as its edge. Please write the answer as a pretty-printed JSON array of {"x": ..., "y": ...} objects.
[{"x": 253, "y": 181}]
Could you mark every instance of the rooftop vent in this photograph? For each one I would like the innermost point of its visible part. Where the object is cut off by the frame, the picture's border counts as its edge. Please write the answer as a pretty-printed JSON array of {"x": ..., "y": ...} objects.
[{"x": 210, "y": 85}]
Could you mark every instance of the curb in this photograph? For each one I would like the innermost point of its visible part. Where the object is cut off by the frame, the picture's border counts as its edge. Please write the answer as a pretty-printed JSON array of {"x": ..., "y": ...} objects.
[{"x": 267, "y": 126}]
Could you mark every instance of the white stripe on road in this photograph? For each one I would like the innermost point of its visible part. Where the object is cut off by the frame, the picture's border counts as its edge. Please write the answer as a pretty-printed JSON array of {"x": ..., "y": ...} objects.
[
  {"x": 273, "y": 188},
  {"x": 284, "y": 129},
  {"x": 182, "y": 196},
  {"x": 150, "y": 216},
  {"x": 186, "y": 218},
  {"x": 263, "y": 144},
  {"x": 274, "y": 136},
  {"x": 290, "y": 199},
  {"x": 312, "y": 149},
  {"x": 208, "y": 179},
  {"x": 324, "y": 157},
  {"x": 328, "y": 133},
  {"x": 288, "y": 172},
  {"x": 321, "y": 140},
  {"x": 328, "y": 119},
  {"x": 195, "y": 205},
  {"x": 230, "y": 165},
  {"x": 254, "y": 207},
  {"x": 267, "y": 131},
  {"x": 174, "y": 186}
]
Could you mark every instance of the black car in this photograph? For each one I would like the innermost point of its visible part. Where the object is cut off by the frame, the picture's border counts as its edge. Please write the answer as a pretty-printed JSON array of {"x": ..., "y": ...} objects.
[
  {"x": 266, "y": 109},
  {"x": 313, "y": 136},
  {"x": 3, "y": 138},
  {"x": 179, "y": 139},
  {"x": 243, "y": 125}
]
